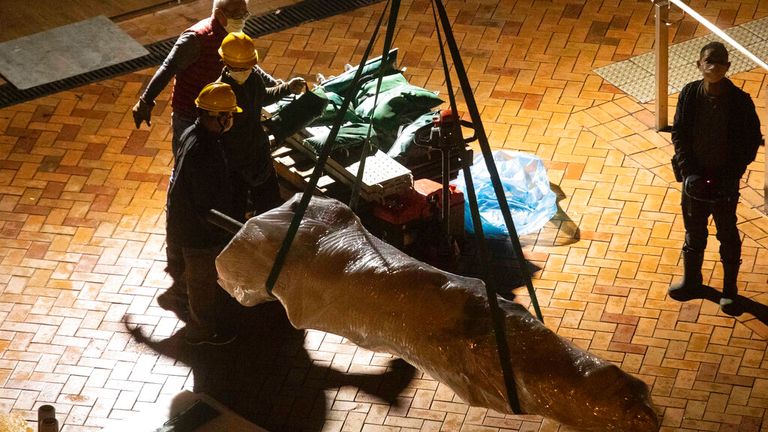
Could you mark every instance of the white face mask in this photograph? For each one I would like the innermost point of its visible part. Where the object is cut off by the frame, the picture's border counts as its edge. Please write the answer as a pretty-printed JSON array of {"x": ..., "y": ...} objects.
[
  {"x": 240, "y": 76},
  {"x": 235, "y": 25}
]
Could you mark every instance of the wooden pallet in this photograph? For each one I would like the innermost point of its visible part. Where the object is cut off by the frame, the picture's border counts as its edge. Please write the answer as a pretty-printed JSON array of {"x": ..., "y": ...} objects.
[{"x": 294, "y": 169}]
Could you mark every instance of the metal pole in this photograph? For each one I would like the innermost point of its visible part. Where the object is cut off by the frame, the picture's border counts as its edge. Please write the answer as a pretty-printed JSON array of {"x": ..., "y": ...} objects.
[{"x": 662, "y": 64}]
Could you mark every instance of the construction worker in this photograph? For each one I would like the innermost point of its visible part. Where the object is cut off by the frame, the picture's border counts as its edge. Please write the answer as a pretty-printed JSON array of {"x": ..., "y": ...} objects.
[
  {"x": 194, "y": 62},
  {"x": 202, "y": 180},
  {"x": 247, "y": 144}
]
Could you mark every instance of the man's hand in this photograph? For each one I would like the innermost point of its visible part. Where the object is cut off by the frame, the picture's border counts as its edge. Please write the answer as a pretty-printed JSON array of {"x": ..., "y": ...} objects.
[
  {"x": 297, "y": 85},
  {"x": 142, "y": 112}
]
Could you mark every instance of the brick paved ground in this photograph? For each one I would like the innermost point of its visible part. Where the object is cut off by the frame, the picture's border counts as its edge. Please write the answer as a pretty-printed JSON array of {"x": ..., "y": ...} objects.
[{"x": 82, "y": 231}]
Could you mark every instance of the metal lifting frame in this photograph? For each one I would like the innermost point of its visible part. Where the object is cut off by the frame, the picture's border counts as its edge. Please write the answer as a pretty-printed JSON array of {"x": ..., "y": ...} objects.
[{"x": 497, "y": 317}]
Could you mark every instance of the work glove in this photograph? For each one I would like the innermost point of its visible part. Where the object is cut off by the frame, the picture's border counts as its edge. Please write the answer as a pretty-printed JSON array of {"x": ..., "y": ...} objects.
[
  {"x": 142, "y": 112},
  {"x": 297, "y": 85}
]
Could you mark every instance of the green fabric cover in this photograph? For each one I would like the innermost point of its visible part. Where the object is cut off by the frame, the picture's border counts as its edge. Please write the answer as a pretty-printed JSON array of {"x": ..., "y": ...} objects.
[
  {"x": 398, "y": 106},
  {"x": 404, "y": 147},
  {"x": 368, "y": 89},
  {"x": 350, "y": 136},
  {"x": 341, "y": 83},
  {"x": 297, "y": 113},
  {"x": 329, "y": 114}
]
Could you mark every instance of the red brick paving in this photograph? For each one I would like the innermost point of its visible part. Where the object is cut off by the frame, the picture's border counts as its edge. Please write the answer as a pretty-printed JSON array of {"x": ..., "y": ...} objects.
[{"x": 81, "y": 229}]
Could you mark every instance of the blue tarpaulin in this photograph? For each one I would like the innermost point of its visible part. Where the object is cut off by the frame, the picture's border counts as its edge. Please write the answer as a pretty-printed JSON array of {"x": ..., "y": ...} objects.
[{"x": 526, "y": 187}]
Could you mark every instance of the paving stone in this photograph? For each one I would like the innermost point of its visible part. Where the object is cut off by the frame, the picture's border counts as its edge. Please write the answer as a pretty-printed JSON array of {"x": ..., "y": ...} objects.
[{"x": 82, "y": 197}]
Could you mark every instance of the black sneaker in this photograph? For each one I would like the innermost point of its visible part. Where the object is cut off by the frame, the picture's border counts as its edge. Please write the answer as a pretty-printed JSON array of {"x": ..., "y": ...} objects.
[
  {"x": 730, "y": 307},
  {"x": 216, "y": 339},
  {"x": 681, "y": 293}
]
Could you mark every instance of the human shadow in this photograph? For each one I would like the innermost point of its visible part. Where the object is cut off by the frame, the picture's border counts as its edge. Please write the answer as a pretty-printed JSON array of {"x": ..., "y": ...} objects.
[
  {"x": 569, "y": 231},
  {"x": 743, "y": 304},
  {"x": 503, "y": 266},
  {"x": 267, "y": 376}
]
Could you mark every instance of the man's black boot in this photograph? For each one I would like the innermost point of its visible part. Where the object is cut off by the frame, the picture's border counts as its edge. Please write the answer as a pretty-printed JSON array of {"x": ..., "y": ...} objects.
[
  {"x": 729, "y": 301},
  {"x": 691, "y": 283}
]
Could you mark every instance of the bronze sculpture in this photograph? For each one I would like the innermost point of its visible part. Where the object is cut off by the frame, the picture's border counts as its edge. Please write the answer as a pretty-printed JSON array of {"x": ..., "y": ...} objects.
[{"x": 341, "y": 279}]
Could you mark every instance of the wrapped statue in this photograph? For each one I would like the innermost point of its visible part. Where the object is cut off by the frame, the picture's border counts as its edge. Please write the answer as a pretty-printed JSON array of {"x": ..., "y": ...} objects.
[{"x": 341, "y": 279}]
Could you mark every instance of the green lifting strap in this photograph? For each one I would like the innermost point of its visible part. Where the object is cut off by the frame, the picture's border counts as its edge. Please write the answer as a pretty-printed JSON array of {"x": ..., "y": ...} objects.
[
  {"x": 355, "y": 197},
  {"x": 322, "y": 158},
  {"x": 487, "y": 154},
  {"x": 497, "y": 318}
]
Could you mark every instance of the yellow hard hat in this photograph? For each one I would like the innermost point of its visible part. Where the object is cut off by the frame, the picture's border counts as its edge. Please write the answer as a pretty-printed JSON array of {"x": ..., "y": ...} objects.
[
  {"x": 217, "y": 97},
  {"x": 237, "y": 50}
]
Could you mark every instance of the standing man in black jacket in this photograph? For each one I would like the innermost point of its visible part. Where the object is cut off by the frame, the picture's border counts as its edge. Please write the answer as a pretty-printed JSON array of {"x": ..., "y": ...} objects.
[
  {"x": 716, "y": 134},
  {"x": 246, "y": 144},
  {"x": 202, "y": 181}
]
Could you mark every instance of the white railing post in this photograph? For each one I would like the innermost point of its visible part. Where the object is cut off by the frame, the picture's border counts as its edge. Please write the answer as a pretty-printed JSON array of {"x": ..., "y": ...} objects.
[{"x": 662, "y": 63}]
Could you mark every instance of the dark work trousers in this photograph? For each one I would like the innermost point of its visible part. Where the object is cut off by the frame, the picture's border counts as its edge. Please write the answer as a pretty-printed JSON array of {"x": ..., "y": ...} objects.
[
  {"x": 695, "y": 218},
  {"x": 265, "y": 196},
  {"x": 211, "y": 308},
  {"x": 175, "y": 268}
]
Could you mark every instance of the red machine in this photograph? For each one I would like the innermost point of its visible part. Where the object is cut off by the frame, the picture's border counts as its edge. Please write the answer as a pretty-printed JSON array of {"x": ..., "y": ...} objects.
[
  {"x": 414, "y": 215},
  {"x": 419, "y": 214}
]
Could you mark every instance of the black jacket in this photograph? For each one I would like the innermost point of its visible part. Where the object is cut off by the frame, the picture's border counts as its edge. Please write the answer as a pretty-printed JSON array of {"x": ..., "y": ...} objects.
[
  {"x": 743, "y": 134},
  {"x": 201, "y": 181},
  {"x": 246, "y": 144}
]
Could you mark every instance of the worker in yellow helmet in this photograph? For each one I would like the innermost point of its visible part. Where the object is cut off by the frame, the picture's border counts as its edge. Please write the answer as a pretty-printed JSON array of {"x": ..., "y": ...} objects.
[
  {"x": 247, "y": 144},
  {"x": 202, "y": 180}
]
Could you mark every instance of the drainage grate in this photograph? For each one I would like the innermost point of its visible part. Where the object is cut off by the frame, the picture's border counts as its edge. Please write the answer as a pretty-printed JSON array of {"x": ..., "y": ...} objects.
[{"x": 277, "y": 20}]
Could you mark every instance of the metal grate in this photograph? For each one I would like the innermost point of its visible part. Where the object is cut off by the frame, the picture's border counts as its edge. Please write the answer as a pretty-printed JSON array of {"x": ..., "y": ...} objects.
[
  {"x": 274, "y": 21},
  {"x": 636, "y": 75}
]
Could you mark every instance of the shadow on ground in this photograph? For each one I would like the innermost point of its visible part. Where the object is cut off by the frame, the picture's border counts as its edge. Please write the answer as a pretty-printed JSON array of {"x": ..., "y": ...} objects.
[
  {"x": 569, "y": 232},
  {"x": 267, "y": 376},
  {"x": 744, "y": 304}
]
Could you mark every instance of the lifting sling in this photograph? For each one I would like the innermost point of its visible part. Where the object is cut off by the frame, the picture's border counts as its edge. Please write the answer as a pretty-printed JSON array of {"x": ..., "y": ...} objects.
[{"x": 464, "y": 85}]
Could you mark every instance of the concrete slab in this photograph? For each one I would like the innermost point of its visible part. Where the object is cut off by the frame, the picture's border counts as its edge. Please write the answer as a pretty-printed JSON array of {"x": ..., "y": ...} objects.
[{"x": 66, "y": 51}]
